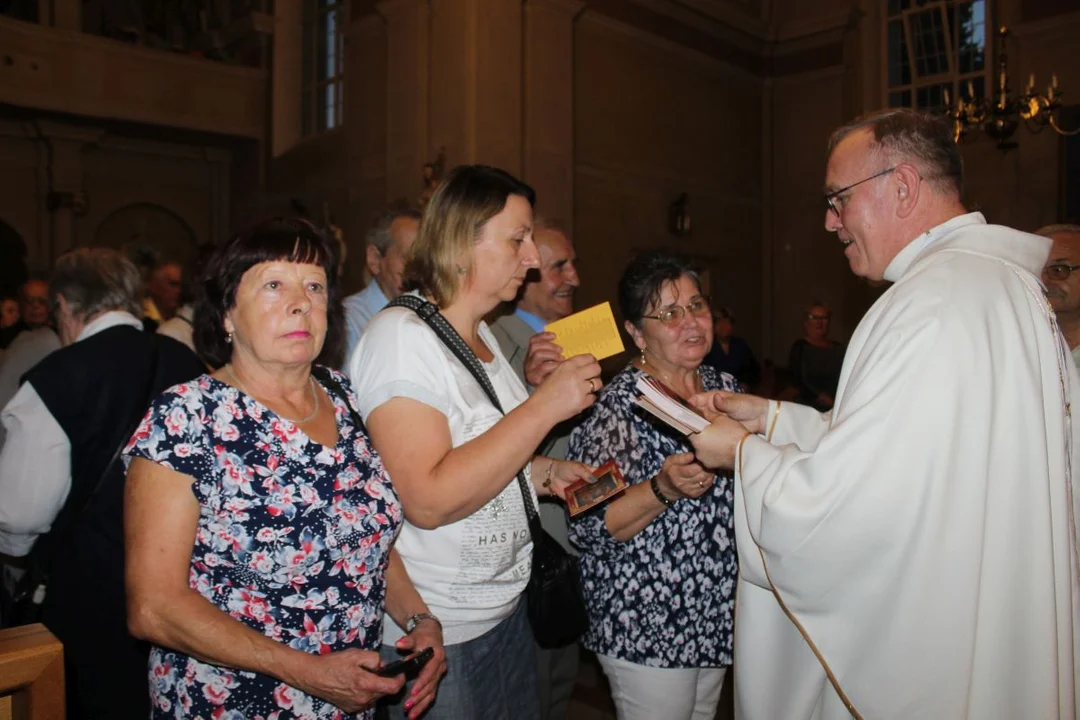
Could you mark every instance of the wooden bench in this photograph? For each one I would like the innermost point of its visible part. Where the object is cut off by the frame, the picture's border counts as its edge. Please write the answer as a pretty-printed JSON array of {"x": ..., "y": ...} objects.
[{"x": 31, "y": 674}]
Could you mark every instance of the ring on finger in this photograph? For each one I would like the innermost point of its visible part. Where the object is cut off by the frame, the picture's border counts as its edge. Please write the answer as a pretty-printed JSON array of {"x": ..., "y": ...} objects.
[
  {"x": 592, "y": 385},
  {"x": 701, "y": 483}
]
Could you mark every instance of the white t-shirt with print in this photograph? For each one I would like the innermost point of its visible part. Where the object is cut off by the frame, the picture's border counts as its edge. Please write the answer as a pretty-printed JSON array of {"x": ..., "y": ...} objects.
[{"x": 470, "y": 572}]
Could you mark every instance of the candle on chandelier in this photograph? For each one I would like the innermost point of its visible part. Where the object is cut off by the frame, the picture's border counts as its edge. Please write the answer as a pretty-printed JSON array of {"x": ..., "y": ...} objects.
[
  {"x": 971, "y": 90},
  {"x": 946, "y": 97},
  {"x": 1031, "y": 82}
]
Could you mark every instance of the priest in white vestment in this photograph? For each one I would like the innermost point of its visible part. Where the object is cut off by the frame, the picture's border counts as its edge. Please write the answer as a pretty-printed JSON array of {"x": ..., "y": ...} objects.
[{"x": 912, "y": 553}]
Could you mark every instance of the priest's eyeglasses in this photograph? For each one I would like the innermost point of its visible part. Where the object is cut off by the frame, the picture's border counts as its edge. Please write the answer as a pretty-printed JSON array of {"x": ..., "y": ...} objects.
[
  {"x": 836, "y": 203},
  {"x": 1059, "y": 271},
  {"x": 673, "y": 316}
]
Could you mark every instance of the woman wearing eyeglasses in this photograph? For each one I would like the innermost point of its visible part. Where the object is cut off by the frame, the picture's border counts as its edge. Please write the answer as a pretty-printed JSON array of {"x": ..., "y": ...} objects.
[
  {"x": 815, "y": 361},
  {"x": 658, "y": 563}
]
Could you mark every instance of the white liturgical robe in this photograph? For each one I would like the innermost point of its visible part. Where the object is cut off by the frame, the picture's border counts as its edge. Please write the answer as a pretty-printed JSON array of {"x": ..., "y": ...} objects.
[{"x": 922, "y": 535}]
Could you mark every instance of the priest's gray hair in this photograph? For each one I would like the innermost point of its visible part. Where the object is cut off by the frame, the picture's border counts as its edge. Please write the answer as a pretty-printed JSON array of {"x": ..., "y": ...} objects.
[
  {"x": 919, "y": 138},
  {"x": 379, "y": 234},
  {"x": 1052, "y": 230},
  {"x": 96, "y": 280}
]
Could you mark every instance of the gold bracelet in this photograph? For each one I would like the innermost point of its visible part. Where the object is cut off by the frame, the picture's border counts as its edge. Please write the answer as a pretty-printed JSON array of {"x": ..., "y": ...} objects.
[
  {"x": 739, "y": 450},
  {"x": 547, "y": 476},
  {"x": 772, "y": 425}
]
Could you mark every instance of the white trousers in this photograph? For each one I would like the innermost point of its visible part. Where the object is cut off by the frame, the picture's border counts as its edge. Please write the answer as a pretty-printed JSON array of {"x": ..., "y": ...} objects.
[{"x": 650, "y": 693}]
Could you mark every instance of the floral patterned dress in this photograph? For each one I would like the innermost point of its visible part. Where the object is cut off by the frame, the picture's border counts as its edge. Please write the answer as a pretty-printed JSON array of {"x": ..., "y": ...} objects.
[
  {"x": 293, "y": 541},
  {"x": 666, "y": 597}
]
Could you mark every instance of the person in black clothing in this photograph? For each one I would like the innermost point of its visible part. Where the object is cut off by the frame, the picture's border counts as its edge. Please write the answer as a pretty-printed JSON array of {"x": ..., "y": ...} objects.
[
  {"x": 815, "y": 361},
  {"x": 732, "y": 354},
  {"x": 61, "y": 481}
]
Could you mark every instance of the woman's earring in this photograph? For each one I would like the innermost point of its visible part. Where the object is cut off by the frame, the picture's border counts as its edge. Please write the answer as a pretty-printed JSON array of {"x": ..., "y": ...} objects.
[
  {"x": 228, "y": 338},
  {"x": 460, "y": 270}
]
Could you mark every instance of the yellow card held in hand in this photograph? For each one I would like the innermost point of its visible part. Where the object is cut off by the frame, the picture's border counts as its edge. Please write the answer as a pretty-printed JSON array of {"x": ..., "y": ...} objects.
[{"x": 590, "y": 331}]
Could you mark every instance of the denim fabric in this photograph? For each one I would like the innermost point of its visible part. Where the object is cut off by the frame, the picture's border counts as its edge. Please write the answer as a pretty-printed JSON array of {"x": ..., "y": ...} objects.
[{"x": 492, "y": 677}]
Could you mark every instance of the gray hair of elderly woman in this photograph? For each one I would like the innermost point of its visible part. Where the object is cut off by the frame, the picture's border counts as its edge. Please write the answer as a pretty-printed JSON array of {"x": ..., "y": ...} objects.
[
  {"x": 93, "y": 281},
  {"x": 645, "y": 277}
]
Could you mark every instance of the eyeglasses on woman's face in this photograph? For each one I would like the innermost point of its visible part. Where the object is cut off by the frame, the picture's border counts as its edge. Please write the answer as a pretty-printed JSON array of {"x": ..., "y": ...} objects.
[{"x": 673, "y": 316}]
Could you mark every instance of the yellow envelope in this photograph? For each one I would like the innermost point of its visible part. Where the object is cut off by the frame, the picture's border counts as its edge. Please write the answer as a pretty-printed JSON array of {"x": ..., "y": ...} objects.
[{"x": 589, "y": 331}]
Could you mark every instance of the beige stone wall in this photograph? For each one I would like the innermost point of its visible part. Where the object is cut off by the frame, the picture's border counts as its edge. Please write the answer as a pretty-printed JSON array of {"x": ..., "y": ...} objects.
[
  {"x": 653, "y": 120},
  {"x": 174, "y": 194}
]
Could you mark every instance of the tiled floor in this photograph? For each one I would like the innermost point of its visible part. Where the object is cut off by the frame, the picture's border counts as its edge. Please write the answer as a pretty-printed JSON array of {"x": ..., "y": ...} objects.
[{"x": 592, "y": 696}]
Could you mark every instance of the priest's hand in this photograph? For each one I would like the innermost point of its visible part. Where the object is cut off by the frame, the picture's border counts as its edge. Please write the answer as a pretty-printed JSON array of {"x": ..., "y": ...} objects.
[
  {"x": 749, "y": 410},
  {"x": 715, "y": 446},
  {"x": 541, "y": 358}
]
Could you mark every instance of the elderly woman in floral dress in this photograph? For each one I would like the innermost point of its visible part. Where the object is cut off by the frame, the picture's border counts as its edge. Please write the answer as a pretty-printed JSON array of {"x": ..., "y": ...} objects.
[{"x": 258, "y": 519}]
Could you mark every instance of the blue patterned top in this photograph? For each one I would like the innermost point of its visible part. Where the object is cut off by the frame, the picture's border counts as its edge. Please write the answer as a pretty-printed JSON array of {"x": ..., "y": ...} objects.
[
  {"x": 293, "y": 540},
  {"x": 666, "y": 597}
]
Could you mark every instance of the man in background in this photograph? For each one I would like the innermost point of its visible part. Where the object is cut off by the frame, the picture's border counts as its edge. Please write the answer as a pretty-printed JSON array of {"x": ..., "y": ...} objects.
[
  {"x": 1063, "y": 282},
  {"x": 531, "y": 352},
  {"x": 163, "y": 292},
  {"x": 388, "y": 244},
  {"x": 33, "y": 310},
  {"x": 31, "y": 339},
  {"x": 730, "y": 353}
]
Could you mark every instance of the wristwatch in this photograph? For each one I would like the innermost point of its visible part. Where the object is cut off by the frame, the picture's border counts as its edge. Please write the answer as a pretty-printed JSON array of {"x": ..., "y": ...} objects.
[{"x": 416, "y": 619}]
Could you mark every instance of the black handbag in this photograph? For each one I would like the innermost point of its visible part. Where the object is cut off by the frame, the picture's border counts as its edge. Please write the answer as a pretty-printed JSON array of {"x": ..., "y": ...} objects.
[{"x": 553, "y": 598}]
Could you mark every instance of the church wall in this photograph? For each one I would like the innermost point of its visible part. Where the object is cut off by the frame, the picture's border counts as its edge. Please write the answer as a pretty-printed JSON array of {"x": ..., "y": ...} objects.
[
  {"x": 173, "y": 194},
  {"x": 653, "y": 120}
]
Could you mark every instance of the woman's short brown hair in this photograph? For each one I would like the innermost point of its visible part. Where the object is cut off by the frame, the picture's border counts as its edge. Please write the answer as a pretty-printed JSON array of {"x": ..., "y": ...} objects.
[
  {"x": 291, "y": 239},
  {"x": 453, "y": 221}
]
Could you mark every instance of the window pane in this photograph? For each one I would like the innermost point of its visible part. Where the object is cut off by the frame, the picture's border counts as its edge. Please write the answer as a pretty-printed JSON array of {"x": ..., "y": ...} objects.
[
  {"x": 932, "y": 97},
  {"x": 973, "y": 88},
  {"x": 327, "y": 109},
  {"x": 972, "y": 36},
  {"x": 326, "y": 39},
  {"x": 900, "y": 99},
  {"x": 899, "y": 66},
  {"x": 895, "y": 6},
  {"x": 928, "y": 37}
]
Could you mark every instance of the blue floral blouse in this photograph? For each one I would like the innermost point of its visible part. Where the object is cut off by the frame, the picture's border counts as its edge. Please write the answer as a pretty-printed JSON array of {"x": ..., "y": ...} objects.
[
  {"x": 293, "y": 540},
  {"x": 666, "y": 597}
]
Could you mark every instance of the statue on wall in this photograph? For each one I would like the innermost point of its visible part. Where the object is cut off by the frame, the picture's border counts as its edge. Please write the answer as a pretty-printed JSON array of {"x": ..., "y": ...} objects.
[{"x": 432, "y": 175}]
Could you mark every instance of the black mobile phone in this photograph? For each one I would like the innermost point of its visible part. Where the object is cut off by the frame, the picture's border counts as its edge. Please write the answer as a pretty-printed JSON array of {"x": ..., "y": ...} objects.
[{"x": 409, "y": 667}]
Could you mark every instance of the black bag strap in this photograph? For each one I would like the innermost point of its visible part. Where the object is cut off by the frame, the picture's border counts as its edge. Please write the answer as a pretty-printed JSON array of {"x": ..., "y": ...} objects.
[
  {"x": 333, "y": 387},
  {"x": 429, "y": 313},
  {"x": 59, "y": 535}
]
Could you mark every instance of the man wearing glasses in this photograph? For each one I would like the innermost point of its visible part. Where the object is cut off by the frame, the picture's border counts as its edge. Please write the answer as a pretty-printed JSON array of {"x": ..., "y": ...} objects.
[
  {"x": 913, "y": 552},
  {"x": 1063, "y": 281}
]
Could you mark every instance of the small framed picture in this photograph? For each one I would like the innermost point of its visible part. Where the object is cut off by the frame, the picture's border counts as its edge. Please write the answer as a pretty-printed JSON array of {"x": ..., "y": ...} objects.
[{"x": 583, "y": 496}]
